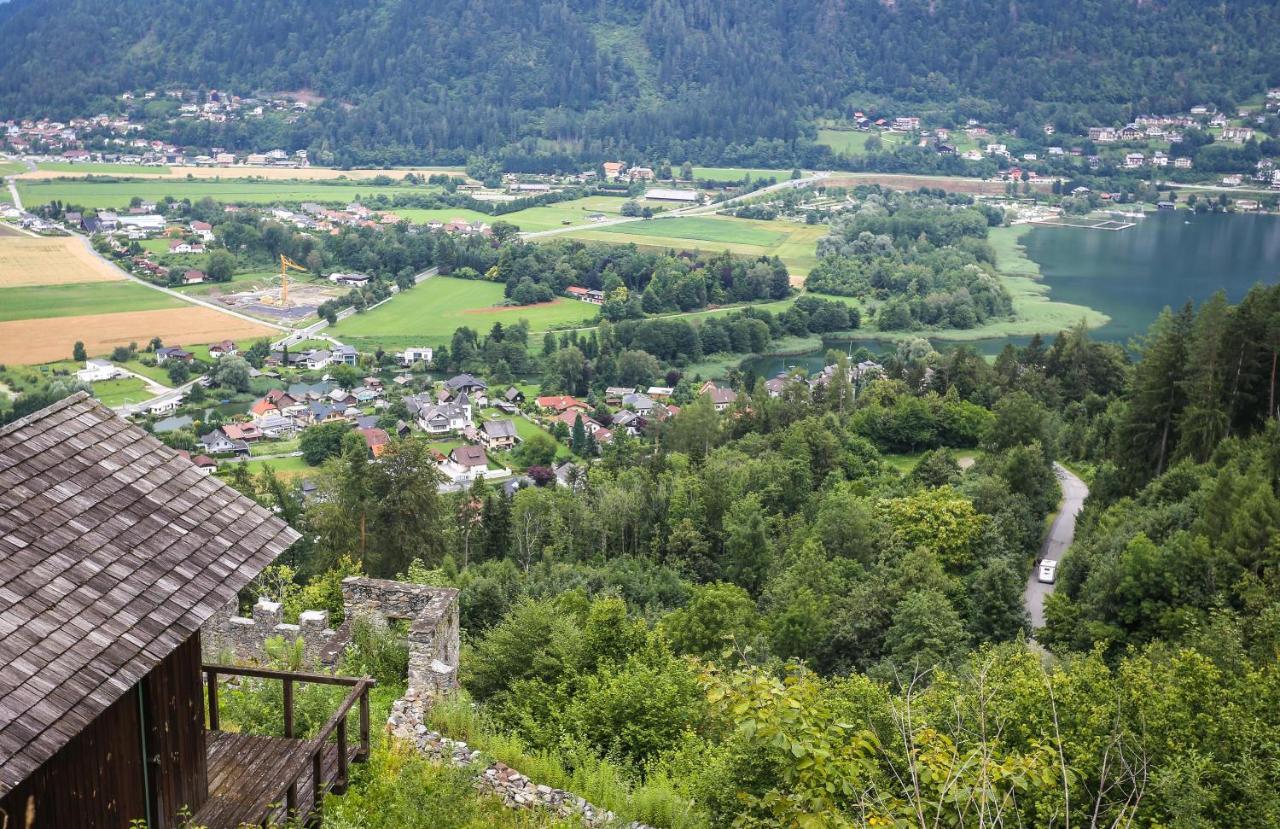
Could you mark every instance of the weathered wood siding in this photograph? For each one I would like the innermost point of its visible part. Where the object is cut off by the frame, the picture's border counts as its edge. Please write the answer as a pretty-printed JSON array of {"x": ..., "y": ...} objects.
[
  {"x": 172, "y": 693},
  {"x": 94, "y": 781}
]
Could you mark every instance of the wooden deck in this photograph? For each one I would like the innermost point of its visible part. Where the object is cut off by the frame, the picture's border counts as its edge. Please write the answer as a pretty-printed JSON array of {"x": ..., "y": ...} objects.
[{"x": 248, "y": 775}]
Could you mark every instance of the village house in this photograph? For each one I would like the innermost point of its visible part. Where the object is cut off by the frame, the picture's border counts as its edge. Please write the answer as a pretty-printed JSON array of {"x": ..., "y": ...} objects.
[
  {"x": 217, "y": 443},
  {"x": 317, "y": 359},
  {"x": 377, "y": 440},
  {"x": 413, "y": 355},
  {"x": 247, "y": 432},
  {"x": 203, "y": 229},
  {"x": 226, "y": 348},
  {"x": 204, "y": 463},
  {"x": 585, "y": 294},
  {"x": 439, "y": 418},
  {"x": 642, "y": 404},
  {"x": 1133, "y": 160},
  {"x": 721, "y": 397},
  {"x": 164, "y": 355},
  {"x": 498, "y": 434},
  {"x": 465, "y": 463},
  {"x": 97, "y": 370},
  {"x": 192, "y": 277},
  {"x": 613, "y": 169},
  {"x": 560, "y": 403},
  {"x": 183, "y": 246},
  {"x": 466, "y": 384}
]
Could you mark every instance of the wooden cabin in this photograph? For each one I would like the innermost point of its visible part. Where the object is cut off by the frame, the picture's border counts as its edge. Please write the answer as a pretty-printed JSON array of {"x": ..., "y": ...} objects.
[{"x": 113, "y": 551}]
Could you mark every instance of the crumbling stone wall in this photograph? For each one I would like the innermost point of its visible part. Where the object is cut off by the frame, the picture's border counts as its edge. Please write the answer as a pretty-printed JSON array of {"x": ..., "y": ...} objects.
[
  {"x": 243, "y": 638},
  {"x": 432, "y": 613}
]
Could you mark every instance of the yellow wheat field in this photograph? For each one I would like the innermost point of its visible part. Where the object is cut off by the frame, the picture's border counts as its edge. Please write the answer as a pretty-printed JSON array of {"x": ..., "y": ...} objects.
[
  {"x": 50, "y": 261},
  {"x": 30, "y": 342}
]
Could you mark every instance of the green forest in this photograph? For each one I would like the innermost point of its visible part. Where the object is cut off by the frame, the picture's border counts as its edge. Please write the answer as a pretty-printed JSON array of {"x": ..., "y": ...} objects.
[
  {"x": 541, "y": 86},
  {"x": 806, "y": 609}
]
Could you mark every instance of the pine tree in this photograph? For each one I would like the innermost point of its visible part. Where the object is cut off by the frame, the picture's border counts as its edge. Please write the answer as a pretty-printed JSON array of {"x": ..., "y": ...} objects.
[
  {"x": 1204, "y": 421},
  {"x": 1149, "y": 433}
]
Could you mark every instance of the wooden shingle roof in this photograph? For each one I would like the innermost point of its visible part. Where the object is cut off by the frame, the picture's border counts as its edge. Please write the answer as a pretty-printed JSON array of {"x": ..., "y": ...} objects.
[{"x": 113, "y": 551}]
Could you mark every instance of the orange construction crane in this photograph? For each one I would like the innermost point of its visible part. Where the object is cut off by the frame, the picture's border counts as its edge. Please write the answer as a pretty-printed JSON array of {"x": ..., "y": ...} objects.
[{"x": 285, "y": 264}]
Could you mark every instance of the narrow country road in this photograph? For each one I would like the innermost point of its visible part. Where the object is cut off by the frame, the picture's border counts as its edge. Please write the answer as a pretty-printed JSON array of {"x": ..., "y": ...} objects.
[
  {"x": 1056, "y": 542},
  {"x": 193, "y": 300}
]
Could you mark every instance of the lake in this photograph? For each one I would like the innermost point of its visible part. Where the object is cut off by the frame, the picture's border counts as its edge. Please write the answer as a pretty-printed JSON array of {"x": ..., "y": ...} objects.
[{"x": 1129, "y": 275}]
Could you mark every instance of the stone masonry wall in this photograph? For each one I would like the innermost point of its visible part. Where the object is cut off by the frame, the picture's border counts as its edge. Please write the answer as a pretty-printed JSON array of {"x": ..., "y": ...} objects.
[
  {"x": 407, "y": 722},
  {"x": 243, "y": 638},
  {"x": 432, "y": 613}
]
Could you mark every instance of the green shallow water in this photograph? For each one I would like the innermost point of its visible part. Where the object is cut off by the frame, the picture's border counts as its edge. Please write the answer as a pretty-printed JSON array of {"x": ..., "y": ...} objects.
[{"x": 1129, "y": 275}]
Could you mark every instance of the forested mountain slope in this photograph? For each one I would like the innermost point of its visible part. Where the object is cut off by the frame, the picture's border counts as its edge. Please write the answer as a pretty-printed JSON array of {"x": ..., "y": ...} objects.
[{"x": 685, "y": 78}]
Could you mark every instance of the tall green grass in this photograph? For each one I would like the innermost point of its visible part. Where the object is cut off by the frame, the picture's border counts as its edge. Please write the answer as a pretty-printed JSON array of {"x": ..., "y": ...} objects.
[{"x": 655, "y": 800}]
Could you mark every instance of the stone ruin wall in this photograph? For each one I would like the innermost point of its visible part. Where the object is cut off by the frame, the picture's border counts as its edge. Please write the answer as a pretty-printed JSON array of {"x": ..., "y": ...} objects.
[{"x": 432, "y": 614}]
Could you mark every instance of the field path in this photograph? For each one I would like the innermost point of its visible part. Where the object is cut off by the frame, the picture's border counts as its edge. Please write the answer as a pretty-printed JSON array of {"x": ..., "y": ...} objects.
[
  {"x": 192, "y": 300},
  {"x": 13, "y": 188}
]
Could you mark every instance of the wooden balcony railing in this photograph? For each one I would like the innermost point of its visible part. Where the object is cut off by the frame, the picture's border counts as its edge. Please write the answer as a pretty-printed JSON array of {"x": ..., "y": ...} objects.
[{"x": 317, "y": 754}]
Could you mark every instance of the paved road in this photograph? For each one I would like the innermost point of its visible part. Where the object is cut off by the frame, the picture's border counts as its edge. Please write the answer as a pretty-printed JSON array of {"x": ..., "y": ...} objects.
[{"x": 1056, "y": 542}]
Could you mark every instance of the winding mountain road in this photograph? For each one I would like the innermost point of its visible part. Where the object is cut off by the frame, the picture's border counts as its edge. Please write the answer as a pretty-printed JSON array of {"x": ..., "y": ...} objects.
[{"x": 1061, "y": 534}]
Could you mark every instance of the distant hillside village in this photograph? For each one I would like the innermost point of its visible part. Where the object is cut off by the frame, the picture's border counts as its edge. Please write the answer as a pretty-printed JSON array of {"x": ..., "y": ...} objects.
[{"x": 1186, "y": 146}]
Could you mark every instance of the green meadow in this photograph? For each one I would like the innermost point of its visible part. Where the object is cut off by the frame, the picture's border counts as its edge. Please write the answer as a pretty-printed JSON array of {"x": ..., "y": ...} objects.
[
  {"x": 80, "y": 298},
  {"x": 796, "y": 244},
  {"x": 114, "y": 393},
  {"x": 118, "y": 193},
  {"x": 95, "y": 168},
  {"x": 431, "y": 312},
  {"x": 702, "y": 228},
  {"x": 854, "y": 142},
  {"x": 736, "y": 174}
]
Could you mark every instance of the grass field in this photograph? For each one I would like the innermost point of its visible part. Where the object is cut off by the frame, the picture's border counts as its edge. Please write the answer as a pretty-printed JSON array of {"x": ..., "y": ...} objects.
[
  {"x": 8, "y": 168},
  {"x": 422, "y": 215},
  {"x": 854, "y": 142},
  {"x": 430, "y": 313},
  {"x": 905, "y": 462},
  {"x": 531, "y": 219},
  {"x": 119, "y": 392},
  {"x": 156, "y": 373},
  {"x": 116, "y": 194},
  {"x": 735, "y": 174},
  {"x": 94, "y": 168},
  {"x": 46, "y": 301},
  {"x": 702, "y": 228},
  {"x": 283, "y": 467},
  {"x": 27, "y": 261},
  {"x": 796, "y": 244},
  {"x": 33, "y": 341},
  {"x": 58, "y": 169}
]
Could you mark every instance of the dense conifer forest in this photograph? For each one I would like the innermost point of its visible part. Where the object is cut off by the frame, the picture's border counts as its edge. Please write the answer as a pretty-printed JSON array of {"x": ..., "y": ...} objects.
[{"x": 541, "y": 85}]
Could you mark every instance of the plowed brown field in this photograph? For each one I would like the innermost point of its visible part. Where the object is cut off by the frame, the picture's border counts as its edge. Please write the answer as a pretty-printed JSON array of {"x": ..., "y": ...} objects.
[{"x": 29, "y": 342}]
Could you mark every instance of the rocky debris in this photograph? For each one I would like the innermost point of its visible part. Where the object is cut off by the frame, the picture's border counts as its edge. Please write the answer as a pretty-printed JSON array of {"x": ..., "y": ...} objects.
[{"x": 517, "y": 791}]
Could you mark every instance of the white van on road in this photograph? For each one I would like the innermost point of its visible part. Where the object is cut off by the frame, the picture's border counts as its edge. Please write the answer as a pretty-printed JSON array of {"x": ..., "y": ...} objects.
[{"x": 1048, "y": 571}]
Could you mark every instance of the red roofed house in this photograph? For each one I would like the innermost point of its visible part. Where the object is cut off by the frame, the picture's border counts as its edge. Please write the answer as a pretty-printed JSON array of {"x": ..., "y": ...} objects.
[
  {"x": 560, "y": 403},
  {"x": 377, "y": 440},
  {"x": 242, "y": 431}
]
